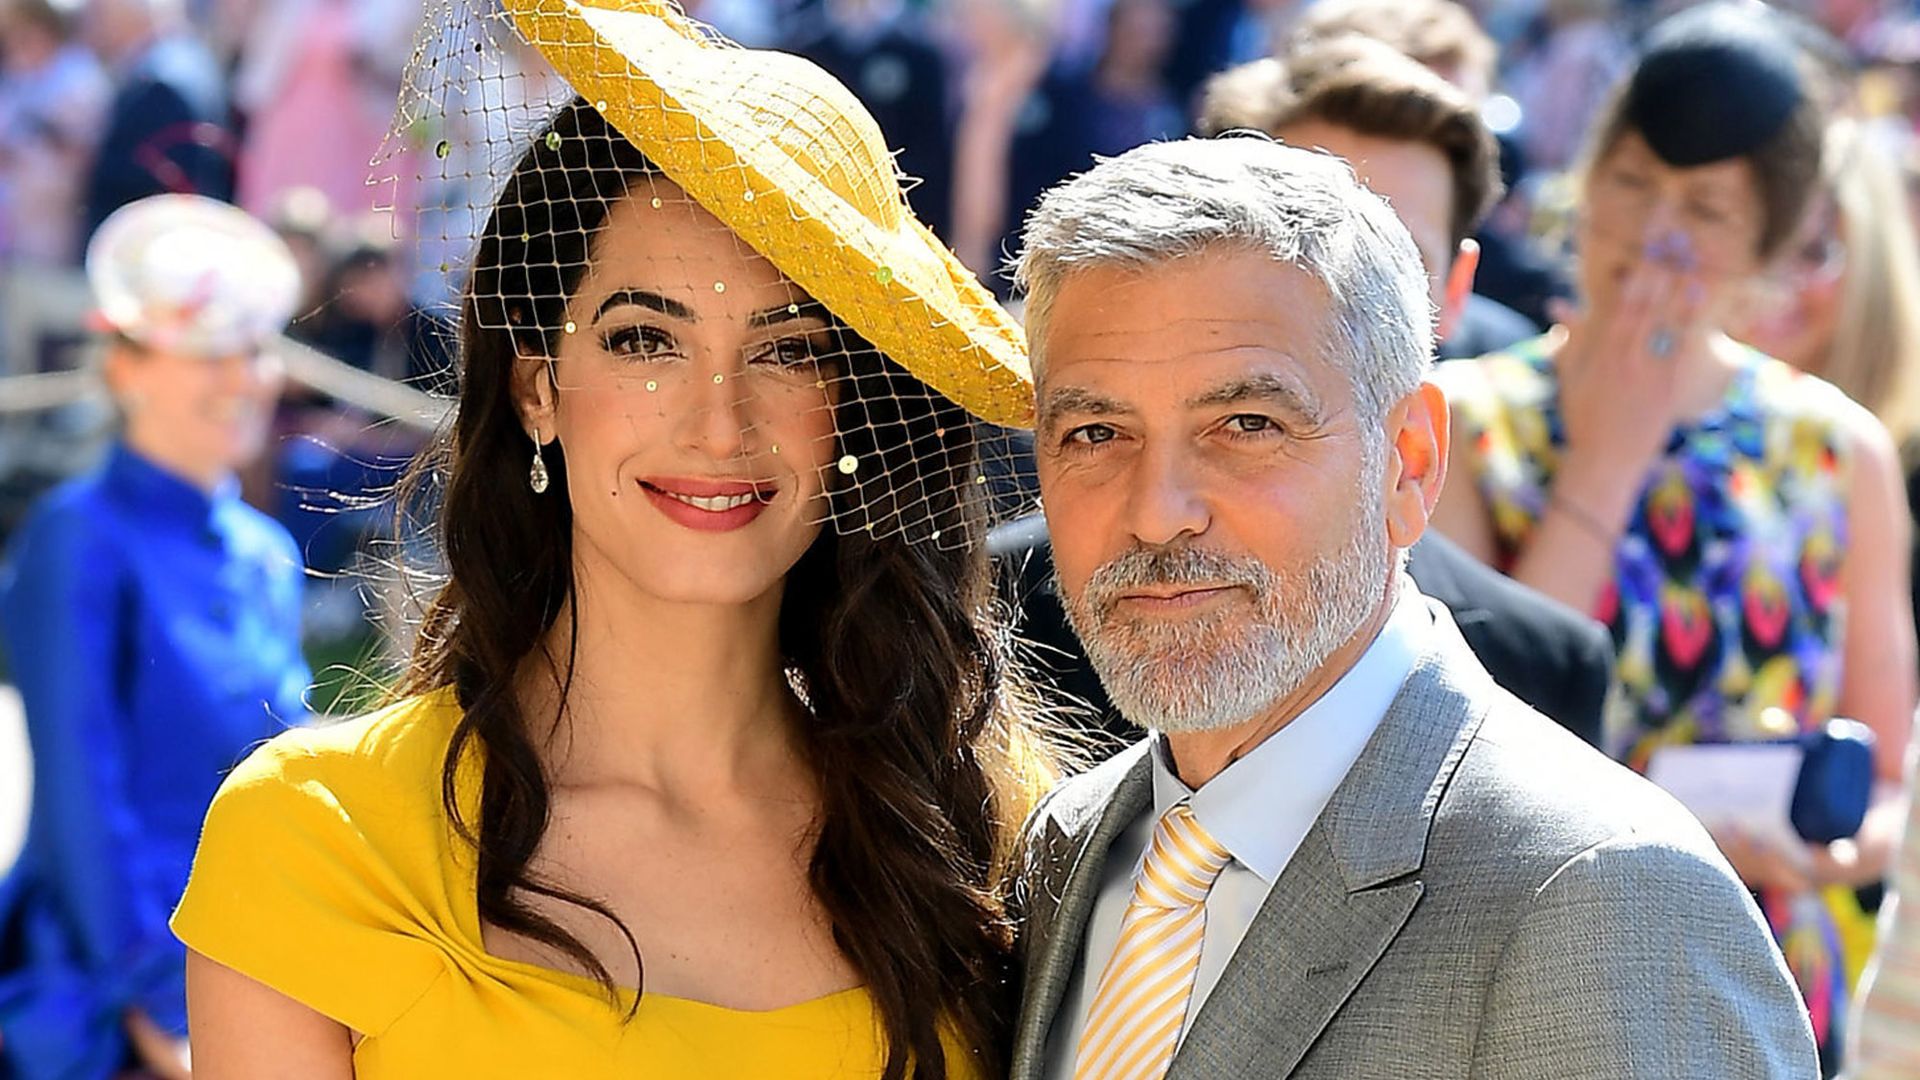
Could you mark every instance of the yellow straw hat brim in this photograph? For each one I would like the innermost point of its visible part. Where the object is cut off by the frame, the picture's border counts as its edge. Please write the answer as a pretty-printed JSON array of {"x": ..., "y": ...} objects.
[{"x": 789, "y": 160}]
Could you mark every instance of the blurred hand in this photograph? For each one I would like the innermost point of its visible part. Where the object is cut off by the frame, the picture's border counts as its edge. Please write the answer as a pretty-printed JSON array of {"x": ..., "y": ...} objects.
[
  {"x": 1617, "y": 369},
  {"x": 160, "y": 1053},
  {"x": 1767, "y": 862}
]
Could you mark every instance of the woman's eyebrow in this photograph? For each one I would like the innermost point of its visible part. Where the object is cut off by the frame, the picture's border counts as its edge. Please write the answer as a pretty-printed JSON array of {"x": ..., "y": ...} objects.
[{"x": 665, "y": 305}]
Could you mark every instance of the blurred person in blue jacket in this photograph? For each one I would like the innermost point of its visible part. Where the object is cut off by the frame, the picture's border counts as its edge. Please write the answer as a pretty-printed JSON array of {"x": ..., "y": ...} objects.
[{"x": 153, "y": 623}]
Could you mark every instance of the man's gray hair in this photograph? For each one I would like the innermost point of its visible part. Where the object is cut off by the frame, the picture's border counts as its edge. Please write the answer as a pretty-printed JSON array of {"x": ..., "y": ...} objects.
[{"x": 1163, "y": 201}]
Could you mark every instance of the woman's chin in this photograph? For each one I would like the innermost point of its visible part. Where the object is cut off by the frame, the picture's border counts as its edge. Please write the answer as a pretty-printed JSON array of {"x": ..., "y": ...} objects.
[
  {"x": 1785, "y": 338},
  {"x": 715, "y": 584},
  {"x": 679, "y": 565}
]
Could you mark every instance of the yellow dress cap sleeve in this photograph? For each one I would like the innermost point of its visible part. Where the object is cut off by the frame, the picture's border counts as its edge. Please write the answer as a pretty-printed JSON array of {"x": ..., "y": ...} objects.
[{"x": 312, "y": 870}]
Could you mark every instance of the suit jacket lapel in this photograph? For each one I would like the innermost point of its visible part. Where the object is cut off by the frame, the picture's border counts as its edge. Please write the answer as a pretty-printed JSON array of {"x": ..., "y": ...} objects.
[
  {"x": 1071, "y": 865},
  {"x": 1304, "y": 955},
  {"x": 1350, "y": 888}
]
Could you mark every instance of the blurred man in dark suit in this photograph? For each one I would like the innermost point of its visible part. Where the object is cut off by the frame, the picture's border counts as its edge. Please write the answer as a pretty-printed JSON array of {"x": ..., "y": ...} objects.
[{"x": 168, "y": 128}]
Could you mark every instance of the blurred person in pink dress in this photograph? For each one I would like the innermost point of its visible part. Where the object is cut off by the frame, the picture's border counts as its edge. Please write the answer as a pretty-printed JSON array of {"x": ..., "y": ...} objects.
[{"x": 317, "y": 80}]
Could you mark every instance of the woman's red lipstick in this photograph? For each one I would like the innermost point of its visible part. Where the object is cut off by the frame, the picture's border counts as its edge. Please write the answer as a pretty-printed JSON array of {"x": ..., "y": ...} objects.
[{"x": 705, "y": 504}]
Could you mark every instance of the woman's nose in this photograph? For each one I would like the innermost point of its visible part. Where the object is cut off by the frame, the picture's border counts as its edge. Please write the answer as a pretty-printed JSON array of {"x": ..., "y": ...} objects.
[{"x": 720, "y": 422}]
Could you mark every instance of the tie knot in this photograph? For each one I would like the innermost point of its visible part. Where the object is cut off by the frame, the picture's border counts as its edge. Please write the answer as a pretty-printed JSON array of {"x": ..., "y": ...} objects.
[{"x": 1182, "y": 862}]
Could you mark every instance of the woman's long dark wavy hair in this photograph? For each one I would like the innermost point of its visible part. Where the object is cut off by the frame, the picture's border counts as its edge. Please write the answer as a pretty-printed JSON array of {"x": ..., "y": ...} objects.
[{"x": 902, "y": 667}]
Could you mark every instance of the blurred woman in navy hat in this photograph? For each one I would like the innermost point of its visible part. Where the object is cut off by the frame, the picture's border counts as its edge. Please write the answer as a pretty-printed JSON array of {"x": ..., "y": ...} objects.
[
  {"x": 153, "y": 623},
  {"x": 1738, "y": 524}
]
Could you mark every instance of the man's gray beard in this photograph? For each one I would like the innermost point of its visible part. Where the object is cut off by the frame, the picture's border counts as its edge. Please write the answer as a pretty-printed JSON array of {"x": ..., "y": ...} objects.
[{"x": 1222, "y": 669}]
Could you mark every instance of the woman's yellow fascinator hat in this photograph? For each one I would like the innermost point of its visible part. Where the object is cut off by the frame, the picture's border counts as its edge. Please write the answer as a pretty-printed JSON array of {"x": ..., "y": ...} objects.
[{"x": 789, "y": 160}]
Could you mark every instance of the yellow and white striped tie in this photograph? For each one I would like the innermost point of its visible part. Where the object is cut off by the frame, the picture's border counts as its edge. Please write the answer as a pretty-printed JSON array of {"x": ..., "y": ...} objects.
[{"x": 1134, "y": 1023}]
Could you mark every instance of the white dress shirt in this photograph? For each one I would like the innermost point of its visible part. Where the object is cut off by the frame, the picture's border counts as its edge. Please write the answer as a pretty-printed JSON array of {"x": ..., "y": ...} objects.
[{"x": 1259, "y": 808}]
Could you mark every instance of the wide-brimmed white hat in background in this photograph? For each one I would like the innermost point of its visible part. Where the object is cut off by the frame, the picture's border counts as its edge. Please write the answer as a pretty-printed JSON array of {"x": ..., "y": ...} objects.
[{"x": 188, "y": 274}]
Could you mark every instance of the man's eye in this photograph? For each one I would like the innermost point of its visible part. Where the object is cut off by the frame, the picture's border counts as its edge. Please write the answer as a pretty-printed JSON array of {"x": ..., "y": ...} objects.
[
  {"x": 1251, "y": 424},
  {"x": 1091, "y": 434}
]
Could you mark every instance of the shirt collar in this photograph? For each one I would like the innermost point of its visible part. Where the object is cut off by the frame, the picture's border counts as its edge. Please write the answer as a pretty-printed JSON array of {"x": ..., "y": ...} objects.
[
  {"x": 1261, "y": 806},
  {"x": 156, "y": 488}
]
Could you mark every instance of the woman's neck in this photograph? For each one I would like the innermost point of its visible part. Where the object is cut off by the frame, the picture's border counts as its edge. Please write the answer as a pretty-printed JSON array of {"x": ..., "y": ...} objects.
[
  {"x": 679, "y": 698},
  {"x": 160, "y": 451}
]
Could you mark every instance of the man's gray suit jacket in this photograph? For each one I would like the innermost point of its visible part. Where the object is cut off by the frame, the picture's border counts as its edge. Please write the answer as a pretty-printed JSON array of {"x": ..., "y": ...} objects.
[{"x": 1484, "y": 896}]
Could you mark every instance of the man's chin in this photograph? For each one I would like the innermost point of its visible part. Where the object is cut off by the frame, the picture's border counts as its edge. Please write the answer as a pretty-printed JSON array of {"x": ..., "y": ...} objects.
[
  {"x": 1191, "y": 685},
  {"x": 1173, "y": 640},
  {"x": 1177, "y": 722}
]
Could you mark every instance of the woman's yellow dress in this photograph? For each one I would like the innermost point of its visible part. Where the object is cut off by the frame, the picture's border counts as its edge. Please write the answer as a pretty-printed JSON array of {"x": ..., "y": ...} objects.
[{"x": 329, "y": 870}]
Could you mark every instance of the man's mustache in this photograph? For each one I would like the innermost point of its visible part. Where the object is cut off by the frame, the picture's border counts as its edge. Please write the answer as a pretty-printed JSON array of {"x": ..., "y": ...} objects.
[{"x": 1176, "y": 565}]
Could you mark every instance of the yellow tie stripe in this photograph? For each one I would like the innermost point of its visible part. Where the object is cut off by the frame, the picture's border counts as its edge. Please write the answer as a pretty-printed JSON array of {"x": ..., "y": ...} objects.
[{"x": 1141, "y": 1001}]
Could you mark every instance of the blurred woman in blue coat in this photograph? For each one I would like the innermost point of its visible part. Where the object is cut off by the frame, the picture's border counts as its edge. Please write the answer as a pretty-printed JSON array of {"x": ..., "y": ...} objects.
[{"x": 152, "y": 620}]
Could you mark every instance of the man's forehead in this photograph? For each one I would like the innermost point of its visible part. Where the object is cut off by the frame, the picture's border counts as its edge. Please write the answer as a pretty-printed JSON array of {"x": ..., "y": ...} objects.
[
  {"x": 1194, "y": 379},
  {"x": 1164, "y": 334},
  {"x": 1210, "y": 300},
  {"x": 1178, "y": 337}
]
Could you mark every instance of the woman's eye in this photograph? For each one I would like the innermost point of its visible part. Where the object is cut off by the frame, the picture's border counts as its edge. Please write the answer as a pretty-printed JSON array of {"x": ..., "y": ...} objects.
[
  {"x": 790, "y": 353},
  {"x": 1710, "y": 214},
  {"x": 1630, "y": 181},
  {"x": 638, "y": 341},
  {"x": 1090, "y": 435}
]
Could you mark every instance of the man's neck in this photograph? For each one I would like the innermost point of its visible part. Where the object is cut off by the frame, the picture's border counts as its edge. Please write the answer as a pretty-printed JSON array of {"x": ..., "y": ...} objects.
[{"x": 1199, "y": 756}]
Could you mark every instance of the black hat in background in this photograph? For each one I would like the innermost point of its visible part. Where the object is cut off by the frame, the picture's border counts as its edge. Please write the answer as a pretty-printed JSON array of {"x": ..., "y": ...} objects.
[{"x": 1715, "y": 82}]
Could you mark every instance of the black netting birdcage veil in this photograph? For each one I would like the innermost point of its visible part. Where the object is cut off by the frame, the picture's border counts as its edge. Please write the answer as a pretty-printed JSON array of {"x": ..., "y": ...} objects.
[{"x": 712, "y": 243}]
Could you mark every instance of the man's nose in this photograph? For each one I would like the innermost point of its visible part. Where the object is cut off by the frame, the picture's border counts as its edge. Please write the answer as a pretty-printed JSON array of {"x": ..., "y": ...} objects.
[{"x": 1166, "y": 500}]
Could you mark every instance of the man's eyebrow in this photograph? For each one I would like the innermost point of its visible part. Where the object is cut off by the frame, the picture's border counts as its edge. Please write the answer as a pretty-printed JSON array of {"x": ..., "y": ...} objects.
[
  {"x": 1076, "y": 399},
  {"x": 665, "y": 305},
  {"x": 1289, "y": 394},
  {"x": 799, "y": 309}
]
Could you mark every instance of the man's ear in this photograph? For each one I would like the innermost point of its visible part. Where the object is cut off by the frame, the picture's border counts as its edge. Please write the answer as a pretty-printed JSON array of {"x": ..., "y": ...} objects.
[
  {"x": 535, "y": 394},
  {"x": 1418, "y": 434},
  {"x": 1453, "y": 301}
]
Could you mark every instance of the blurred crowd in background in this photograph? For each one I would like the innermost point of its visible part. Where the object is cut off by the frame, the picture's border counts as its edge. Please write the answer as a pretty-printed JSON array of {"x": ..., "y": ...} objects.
[{"x": 284, "y": 107}]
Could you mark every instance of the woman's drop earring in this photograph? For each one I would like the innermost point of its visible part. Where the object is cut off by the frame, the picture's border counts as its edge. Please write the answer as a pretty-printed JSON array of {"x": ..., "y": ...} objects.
[{"x": 537, "y": 478}]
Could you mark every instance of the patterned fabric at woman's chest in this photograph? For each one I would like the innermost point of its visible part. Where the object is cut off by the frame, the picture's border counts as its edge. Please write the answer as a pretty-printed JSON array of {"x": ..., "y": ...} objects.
[{"x": 1725, "y": 599}]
